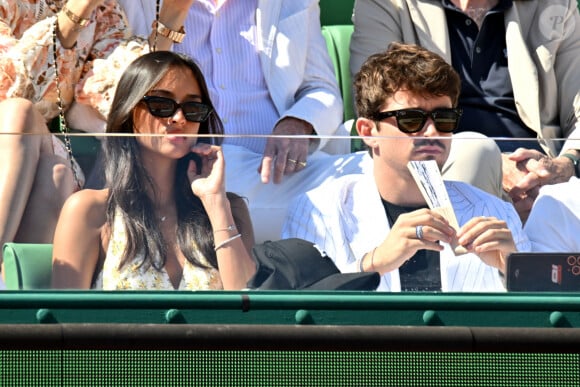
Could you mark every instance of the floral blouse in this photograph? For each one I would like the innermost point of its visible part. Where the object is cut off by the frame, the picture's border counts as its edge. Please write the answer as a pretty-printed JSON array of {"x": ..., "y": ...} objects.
[
  {"x": 134, "y": 276},
  {"x": 87, "y": 73}
]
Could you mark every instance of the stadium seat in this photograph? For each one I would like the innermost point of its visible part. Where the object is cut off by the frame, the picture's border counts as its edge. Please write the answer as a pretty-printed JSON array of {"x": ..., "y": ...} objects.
[
  {"x": 337, "y": 28},
  {"x": 338, "y": 44},
  {"x": 84, "y": 148},
  {"x": 333, "y": 12},
  {"x": 27, "y": 265},
  {"x": 338, "y": 41}
]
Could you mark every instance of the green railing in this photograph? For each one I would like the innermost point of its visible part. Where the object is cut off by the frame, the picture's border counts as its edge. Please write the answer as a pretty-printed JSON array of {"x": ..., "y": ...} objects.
[
  {"x": 73, "y": 338},
  {"x": 537, "y": 310}
]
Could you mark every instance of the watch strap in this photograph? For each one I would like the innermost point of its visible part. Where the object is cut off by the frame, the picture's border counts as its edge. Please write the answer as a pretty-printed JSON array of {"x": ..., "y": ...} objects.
[{"x": 163, "y": 30}]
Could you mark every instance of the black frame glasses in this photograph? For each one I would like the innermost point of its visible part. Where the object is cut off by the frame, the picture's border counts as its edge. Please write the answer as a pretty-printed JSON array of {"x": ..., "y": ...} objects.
[
  {"x": 413, "y": 120},
  {"x": 166, "y": 107}
]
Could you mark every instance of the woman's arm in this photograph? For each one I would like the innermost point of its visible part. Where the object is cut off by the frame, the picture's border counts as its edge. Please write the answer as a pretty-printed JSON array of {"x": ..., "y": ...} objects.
[
  {"x": 235, "y": 264},
  {"x": 242, "y": 219},
  {"x": 72, "y": 18},
  {"x": 27, "y": 54},
  {"x": 113, "y": 51},
  {"x": 77, "y": 240},
  {"x": 171, "y": 16}
]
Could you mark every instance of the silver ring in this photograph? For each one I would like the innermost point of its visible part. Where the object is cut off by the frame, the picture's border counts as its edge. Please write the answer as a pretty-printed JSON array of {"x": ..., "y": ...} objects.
[
  {"x": 292, "y": 161},
  {"x": 419, "y": 232}
]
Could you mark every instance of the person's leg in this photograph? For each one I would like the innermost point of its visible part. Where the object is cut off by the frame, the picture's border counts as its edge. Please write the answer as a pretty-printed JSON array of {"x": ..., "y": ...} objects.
[
  {"x": 53, "y": 184},
  {"x": 268, "y": 203},
  {"x": 475, "y": 159},
  {"x": 25, "y": 141}
]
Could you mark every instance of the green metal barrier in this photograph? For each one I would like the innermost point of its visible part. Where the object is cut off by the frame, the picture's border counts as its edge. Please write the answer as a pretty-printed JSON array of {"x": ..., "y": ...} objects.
[
  {"x": 72, "y": 338},
  {"x": 543, "y": 310}
]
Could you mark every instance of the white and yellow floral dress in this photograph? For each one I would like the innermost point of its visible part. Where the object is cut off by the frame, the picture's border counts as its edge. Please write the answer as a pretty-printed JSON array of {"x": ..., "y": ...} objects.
[{"x": 134, "y": 276}]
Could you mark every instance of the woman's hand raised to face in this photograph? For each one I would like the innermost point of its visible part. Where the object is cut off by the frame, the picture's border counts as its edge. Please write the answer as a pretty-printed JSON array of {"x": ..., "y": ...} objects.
[{"x": 211, "y": 178}]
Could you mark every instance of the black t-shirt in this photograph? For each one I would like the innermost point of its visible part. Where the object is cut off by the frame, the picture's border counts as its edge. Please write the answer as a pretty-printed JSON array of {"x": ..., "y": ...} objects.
[{"x": 422, "y": 272}]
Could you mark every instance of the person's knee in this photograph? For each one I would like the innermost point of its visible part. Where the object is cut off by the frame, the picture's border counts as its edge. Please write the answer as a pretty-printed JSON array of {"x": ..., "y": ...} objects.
[
  {"x": 475, "y": 159},
  {"x": 54, "y": 181},
  {"x": 19, "y": 115},
  {"x": 476, "y": 146}
]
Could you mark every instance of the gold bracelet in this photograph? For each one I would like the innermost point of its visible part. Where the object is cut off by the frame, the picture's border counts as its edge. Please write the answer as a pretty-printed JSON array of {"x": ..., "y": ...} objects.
[
  {"x": 163, "y": 30},
  {"x": 76, "y": 19}
]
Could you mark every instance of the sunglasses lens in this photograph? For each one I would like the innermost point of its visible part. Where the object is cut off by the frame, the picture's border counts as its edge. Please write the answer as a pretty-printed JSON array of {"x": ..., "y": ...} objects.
[
  {"x": 410, "y": 121},
  {"x": 195, "y": 111},
  {"x": 446, "y": 121},
  {"x": 160, "y": 107}
]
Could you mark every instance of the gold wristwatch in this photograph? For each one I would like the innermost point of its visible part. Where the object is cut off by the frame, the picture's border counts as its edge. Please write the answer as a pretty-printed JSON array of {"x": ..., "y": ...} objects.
[{"x": 163, "y": 30}]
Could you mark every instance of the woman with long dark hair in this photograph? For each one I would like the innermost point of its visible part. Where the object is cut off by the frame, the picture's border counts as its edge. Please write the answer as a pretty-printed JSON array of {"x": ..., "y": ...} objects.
[
  {"x": 164, "y": 220},
  {"x": 60, "y": 61}
]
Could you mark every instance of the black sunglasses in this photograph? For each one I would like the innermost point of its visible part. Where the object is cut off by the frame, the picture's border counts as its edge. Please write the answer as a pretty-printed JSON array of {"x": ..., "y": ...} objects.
[
  {"x": 166, "y": 107},
  {"x": 413, "y": 120}
]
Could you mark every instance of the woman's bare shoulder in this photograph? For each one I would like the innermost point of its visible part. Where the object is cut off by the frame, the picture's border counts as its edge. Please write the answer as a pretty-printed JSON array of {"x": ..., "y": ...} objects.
[{"x": 89, "y": 204}]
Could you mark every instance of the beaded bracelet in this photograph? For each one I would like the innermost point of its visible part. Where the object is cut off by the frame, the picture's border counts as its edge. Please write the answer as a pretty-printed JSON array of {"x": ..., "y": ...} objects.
[{"x": 222, "y": 244}]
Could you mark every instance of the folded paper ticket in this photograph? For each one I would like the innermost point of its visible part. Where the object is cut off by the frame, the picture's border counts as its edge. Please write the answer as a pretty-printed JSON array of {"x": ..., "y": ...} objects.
[{"x": 428, "y": 177}]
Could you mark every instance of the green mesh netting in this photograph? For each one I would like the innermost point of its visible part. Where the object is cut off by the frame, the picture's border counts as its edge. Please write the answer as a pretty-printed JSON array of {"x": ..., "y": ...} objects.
[{"x": 267, "y": 368}]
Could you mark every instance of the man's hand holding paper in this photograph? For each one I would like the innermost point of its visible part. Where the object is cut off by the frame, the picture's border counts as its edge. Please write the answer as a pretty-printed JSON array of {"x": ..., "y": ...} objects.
[{"x": 488, "y": 237}]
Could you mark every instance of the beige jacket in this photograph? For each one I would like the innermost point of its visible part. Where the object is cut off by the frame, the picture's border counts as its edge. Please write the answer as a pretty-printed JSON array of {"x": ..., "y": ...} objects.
[{"x": 543, "y": 46}]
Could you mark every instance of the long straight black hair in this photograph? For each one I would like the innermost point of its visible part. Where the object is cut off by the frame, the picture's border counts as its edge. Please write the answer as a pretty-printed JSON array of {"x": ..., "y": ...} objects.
[{"x": 128, "y": 181}]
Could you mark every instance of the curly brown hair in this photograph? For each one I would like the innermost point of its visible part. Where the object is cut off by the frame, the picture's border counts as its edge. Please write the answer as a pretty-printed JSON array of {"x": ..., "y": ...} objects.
[{"x": 403, "y": 67}]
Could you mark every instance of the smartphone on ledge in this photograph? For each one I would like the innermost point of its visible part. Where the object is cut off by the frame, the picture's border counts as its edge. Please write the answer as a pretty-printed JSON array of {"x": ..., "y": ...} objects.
[{"x": 547, "y": 272}]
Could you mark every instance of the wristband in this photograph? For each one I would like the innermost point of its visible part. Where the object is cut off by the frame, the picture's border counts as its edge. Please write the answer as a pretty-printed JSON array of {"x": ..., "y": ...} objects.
[
  {"x": 574, "y": 160},
  {"x": 163, "y": 30},
  {"x": 360, "y": 262}
]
